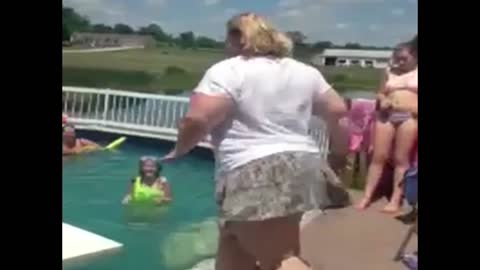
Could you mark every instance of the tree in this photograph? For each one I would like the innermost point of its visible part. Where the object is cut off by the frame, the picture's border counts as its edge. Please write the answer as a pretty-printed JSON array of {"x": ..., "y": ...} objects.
[
  {"x": 353, "y": 46},
  {"x": 297, "y": 37},
  {"x": 66, "y": 33},
  {"x": 322, "y": 45},
  {"x": 102, "y": 28},
  {"x": 206, "y": 42},
  {"x": 73, "y": 22},
  {"x": 121, "y": 28},
  {"x": 155, "y": 31},
  {"x": 172, "y": 41},
  {"x": 187, "y": 40}
]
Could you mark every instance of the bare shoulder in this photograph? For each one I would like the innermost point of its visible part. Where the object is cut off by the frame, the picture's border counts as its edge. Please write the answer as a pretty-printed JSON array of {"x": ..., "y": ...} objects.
[
  {"x": 163, "y": 179},
  {"x": 160, "y": 181},
  {"x": 87, "y": 142}
]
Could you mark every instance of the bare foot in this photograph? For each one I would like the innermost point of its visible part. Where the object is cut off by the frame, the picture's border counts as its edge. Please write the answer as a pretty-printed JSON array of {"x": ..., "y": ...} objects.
[
  {"x": 391, "y": 209},
  {"x": 294, "y": 263},
  {"x": 363, "y": 204}
]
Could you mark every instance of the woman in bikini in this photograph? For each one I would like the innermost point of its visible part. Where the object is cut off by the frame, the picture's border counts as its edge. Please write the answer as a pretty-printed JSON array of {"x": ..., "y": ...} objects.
[{"x": 396, "y": 125}]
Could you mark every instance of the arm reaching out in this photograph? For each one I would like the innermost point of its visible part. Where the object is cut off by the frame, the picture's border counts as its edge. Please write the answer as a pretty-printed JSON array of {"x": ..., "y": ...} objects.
[
  {"x": 90, "y": 144},
  {"x": 328, "y": 105},
  {"x": 166, "y": 189},
  {"x": 210, "y": 105},
  {"x": 162, "y": 185},
  {"x": 382, "y": 94},
  {"x": 128, "y": 195}
]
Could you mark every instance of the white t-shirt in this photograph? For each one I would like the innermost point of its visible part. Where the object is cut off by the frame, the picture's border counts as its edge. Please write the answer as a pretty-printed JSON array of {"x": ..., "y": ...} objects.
[{"x": 273, "y": 107}]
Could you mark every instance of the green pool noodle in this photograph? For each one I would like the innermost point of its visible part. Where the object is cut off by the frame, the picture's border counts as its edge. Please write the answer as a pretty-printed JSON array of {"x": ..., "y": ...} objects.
[{"x": 115, "y": 143}]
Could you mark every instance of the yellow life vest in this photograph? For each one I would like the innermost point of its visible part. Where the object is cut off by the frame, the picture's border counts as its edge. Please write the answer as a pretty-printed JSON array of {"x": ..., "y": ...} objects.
[{"x": 144, "y": 193}]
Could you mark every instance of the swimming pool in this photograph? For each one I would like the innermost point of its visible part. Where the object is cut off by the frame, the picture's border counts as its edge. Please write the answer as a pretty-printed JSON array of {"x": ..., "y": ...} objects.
[{"x": 94, "y": 184}]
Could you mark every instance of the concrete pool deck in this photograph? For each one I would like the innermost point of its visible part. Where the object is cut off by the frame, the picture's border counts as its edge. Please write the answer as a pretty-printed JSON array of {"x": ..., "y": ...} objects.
[
  {"x": 79, "y": 245},
  {"x": 349, "y": 239}
]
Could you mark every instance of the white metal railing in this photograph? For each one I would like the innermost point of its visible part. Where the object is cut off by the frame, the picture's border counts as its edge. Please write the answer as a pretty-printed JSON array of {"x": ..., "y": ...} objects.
[
  {"x": 124, "y": 112},
  {"x": 140, "y": 114}
]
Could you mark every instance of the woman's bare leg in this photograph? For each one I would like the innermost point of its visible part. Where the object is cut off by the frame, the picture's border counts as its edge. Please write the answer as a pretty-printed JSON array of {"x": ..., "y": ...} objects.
[
  {"x": 270, "y": 241},
  {"x": 230, "y": 254},
  {"x": 405, "y": 137},
  {"x": 382, "y": 141}
]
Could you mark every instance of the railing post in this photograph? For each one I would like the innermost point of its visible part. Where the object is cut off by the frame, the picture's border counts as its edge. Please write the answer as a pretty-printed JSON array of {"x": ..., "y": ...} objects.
[{"x": 105, "y": 106}]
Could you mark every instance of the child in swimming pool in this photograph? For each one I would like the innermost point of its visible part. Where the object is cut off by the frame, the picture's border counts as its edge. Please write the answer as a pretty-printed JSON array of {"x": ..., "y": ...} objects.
[{"x": 149, "y": 185}]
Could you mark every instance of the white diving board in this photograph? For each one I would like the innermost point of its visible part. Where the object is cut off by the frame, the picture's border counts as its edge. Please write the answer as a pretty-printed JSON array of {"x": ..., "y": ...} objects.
[{"x": 80, "y": 245}]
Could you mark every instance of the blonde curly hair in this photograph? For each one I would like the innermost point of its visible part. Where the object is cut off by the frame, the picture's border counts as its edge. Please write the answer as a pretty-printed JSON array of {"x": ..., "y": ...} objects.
[{"x": 258, "y": 37}]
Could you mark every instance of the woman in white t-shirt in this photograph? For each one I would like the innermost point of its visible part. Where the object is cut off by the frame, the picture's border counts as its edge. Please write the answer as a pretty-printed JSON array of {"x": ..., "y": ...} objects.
[{"x": 257, "y": 106}]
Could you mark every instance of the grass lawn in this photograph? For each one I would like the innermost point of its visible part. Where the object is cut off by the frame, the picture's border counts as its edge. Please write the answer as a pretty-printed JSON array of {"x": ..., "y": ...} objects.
[{"x": 171, "y": 70}]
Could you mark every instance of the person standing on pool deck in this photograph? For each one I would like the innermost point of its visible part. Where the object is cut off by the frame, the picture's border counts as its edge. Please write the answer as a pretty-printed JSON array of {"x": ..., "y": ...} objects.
[
  {"x": 395, "y": 128},
  {"x": 257, "y": 106}
]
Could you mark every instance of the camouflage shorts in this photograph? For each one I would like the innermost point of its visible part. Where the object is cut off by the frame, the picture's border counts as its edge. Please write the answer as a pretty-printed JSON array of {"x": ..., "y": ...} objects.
[{"x": 277, "y": 185}]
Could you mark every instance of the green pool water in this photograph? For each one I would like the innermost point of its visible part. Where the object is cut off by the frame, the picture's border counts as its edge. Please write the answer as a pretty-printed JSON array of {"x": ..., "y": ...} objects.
[{"x": 94, "y": 184}]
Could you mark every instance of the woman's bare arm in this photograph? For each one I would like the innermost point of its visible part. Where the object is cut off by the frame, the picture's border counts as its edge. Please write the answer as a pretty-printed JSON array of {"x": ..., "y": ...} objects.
[
  {"x": 90, "y": 144},
  {"x": 414, "y": 108},
  {"x": 163, "y": 186},
  {"x": 205, "y": 112},
  {"x": 382, "y": 93},
  {"x": 331, "y": 107},
  {"x": 382, "y": 90},
  {"x": 128, "y": 195}
]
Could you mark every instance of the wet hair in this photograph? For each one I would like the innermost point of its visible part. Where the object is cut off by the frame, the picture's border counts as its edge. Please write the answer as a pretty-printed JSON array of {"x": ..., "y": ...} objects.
[
  {"x": 68, "y": 126},
  {"x": 151, "y": 159},
  {"x": 414, "y": 44},
  {"x": 258, "y": 37},
  {"x": 410, "y": 46}
]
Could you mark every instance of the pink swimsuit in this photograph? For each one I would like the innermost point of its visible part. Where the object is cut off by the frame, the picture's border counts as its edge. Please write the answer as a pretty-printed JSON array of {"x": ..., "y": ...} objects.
[{"x": 358, "y": 123}]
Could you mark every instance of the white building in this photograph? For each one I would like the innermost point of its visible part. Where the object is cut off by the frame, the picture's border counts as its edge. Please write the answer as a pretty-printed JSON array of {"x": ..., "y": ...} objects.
[{"x": 344, "y": 57}]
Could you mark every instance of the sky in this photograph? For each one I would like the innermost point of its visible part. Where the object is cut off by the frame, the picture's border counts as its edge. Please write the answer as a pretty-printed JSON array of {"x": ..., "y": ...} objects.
[{"x": 369, "y": 22}]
